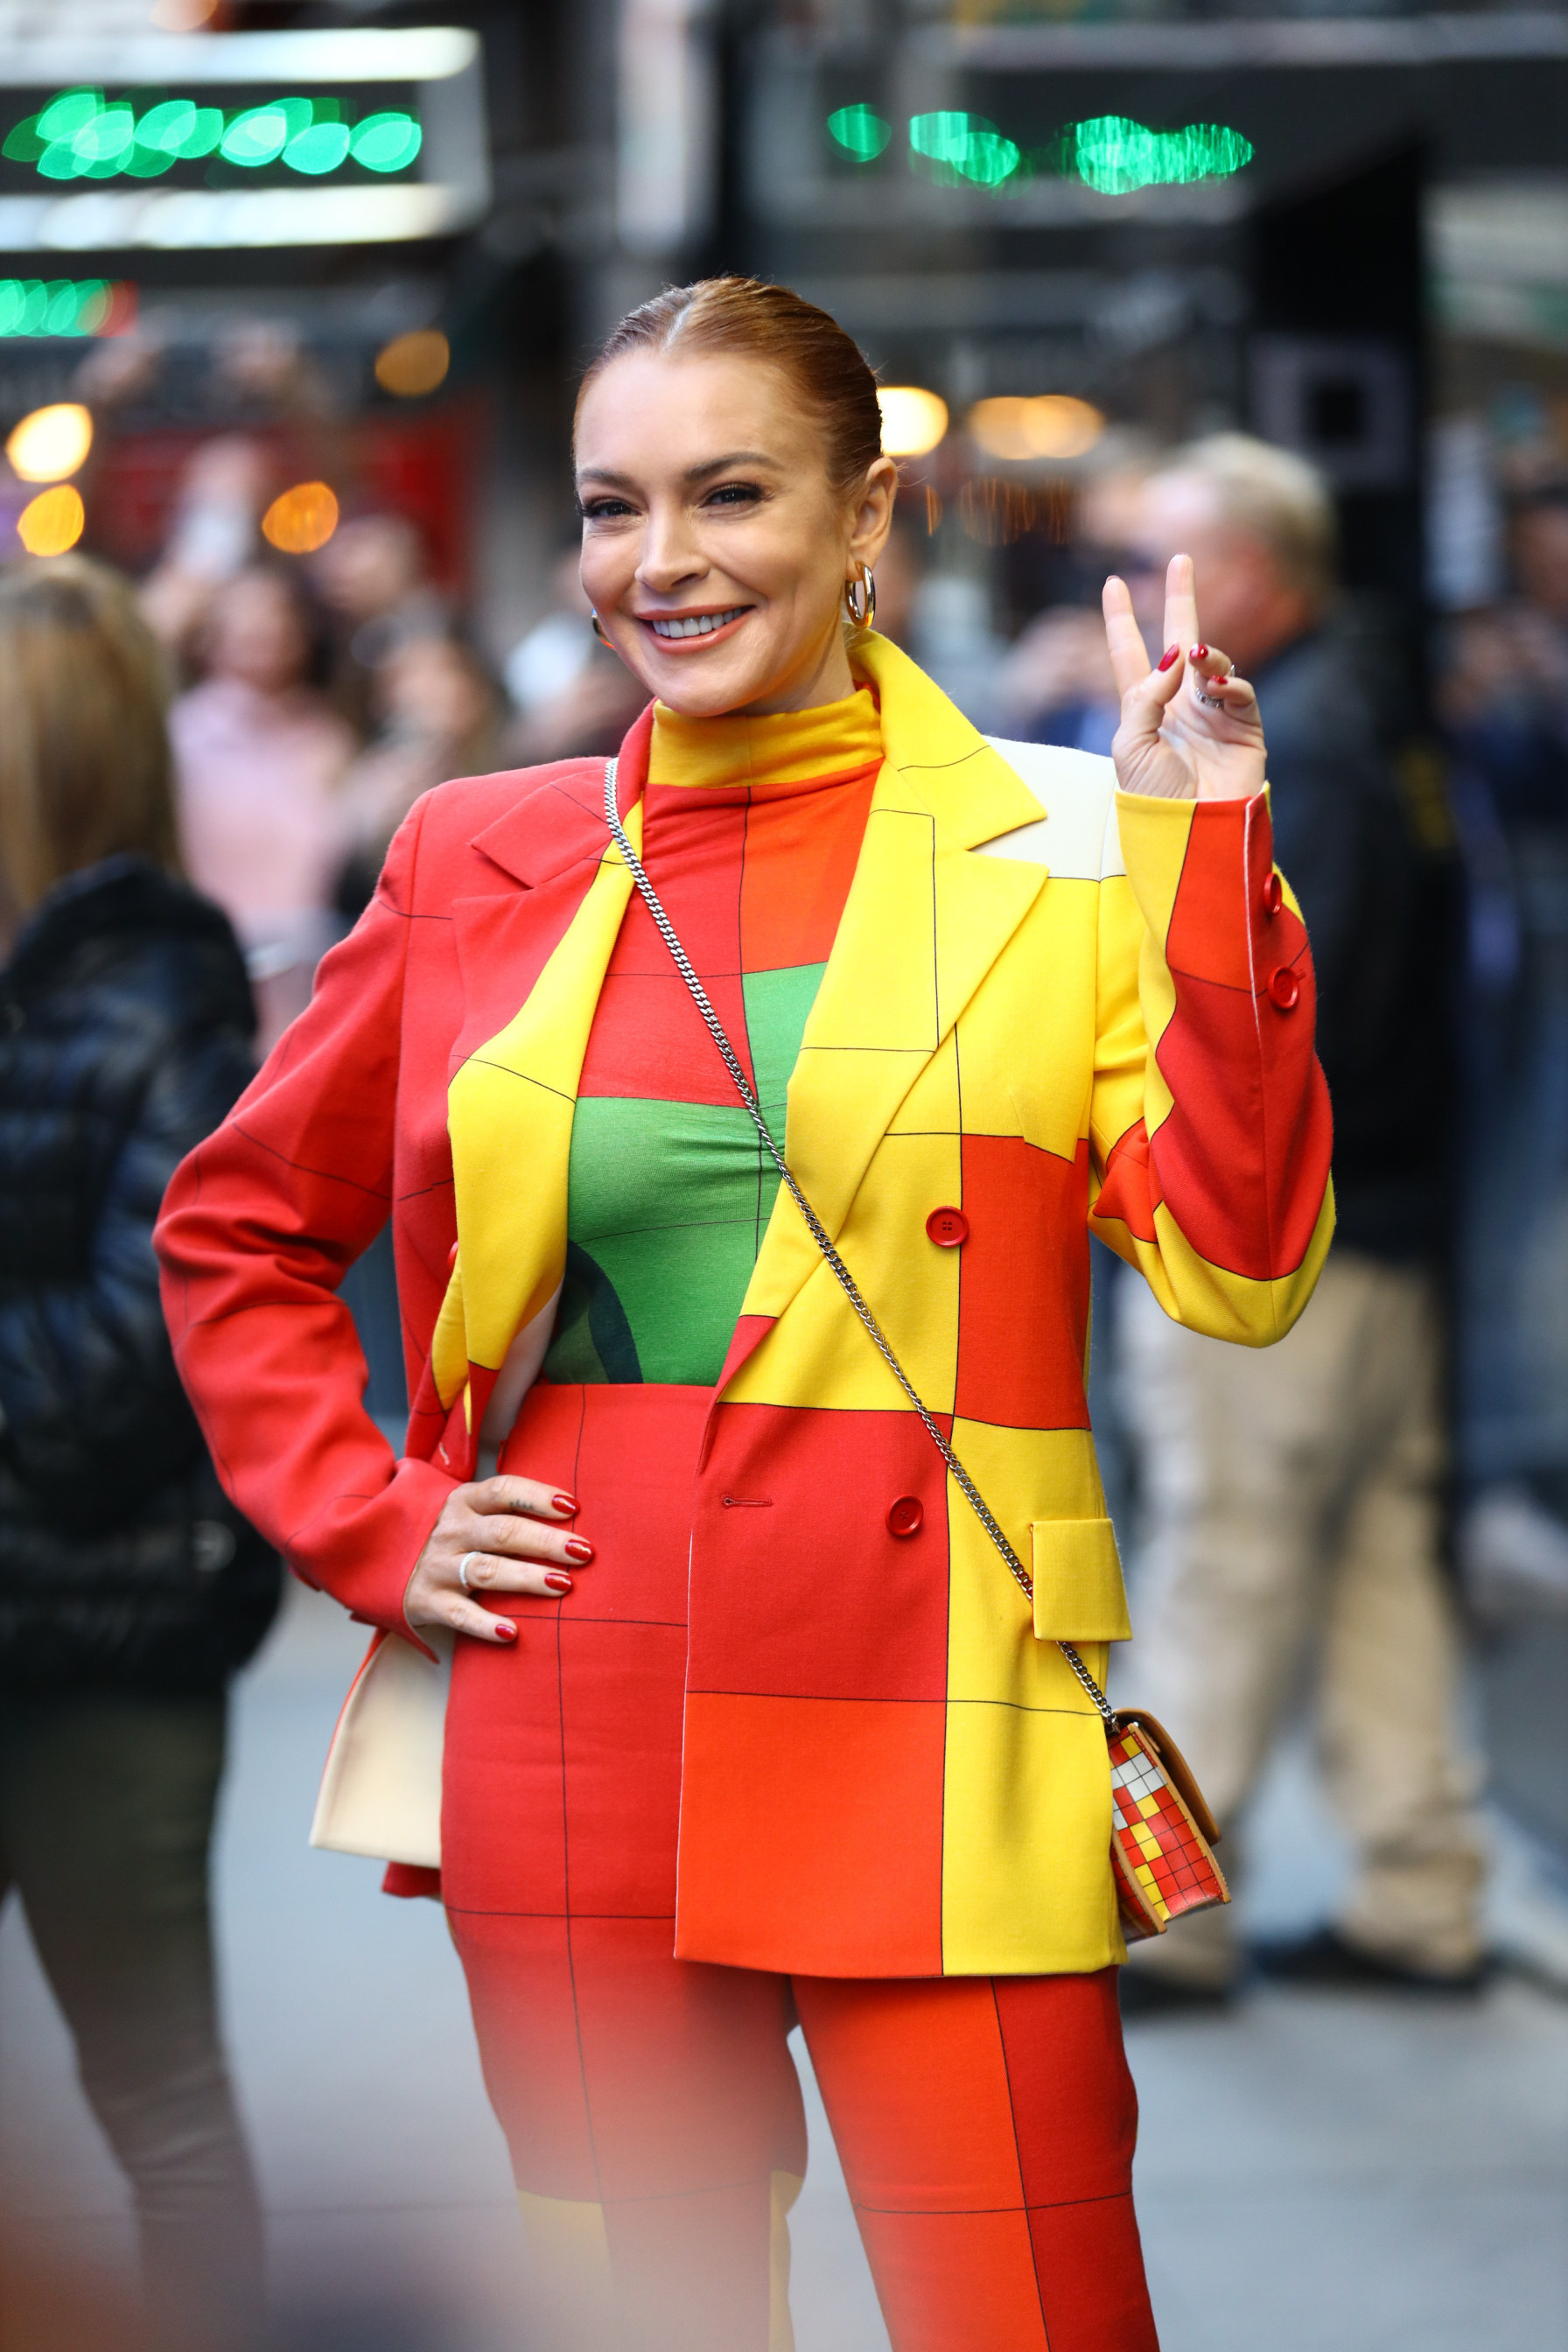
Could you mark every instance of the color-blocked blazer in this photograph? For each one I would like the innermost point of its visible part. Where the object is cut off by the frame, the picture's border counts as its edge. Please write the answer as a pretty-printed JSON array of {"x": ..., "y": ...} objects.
[{"x": 1051, "y": 1006}]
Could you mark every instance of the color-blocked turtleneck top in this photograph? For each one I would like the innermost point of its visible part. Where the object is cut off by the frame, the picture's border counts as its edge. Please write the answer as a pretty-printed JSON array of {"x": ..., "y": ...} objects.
[{"x": 751, "y": 831}]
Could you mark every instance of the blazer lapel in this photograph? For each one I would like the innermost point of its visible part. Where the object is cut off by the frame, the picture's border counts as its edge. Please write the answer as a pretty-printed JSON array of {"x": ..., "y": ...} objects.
[
  {"x": 511, "y": 1098},
  {"x": 924, "y": 921},
  {"x": 562, "y": 821}
]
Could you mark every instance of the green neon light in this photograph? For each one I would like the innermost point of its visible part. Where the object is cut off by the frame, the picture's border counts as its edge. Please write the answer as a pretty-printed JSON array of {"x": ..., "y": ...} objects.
[
  {"x": 1116, "y": 157},
  {"x": 82, "y": 135},
  {"x": 178, "y": 132},
  {"x": 963, "y": 147},
  {"x": 70, "y": 112},
  {"x": 385, "y": 143},
  {"x": 1110, "y": 154},
  {"x": 106, "y": 138},
  {"x": 257, "y": 136},
  {"x": 61, "y": 306},
  {"x": 320, "y": 148},
  {"x": 859, "y": 132}
]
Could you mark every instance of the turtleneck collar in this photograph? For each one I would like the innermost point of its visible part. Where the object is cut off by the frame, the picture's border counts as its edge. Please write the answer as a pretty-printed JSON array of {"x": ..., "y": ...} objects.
[{"x": 786, "y": 752}]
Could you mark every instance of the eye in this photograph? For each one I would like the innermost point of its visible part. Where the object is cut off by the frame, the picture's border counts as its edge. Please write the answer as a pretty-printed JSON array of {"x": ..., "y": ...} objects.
[
  {"x": 735, "y": 494},
  {"x": 605, "y": 510}
]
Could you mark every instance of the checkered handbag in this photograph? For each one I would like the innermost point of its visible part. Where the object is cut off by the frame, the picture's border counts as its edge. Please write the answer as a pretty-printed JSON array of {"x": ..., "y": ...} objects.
[{"x": 1162, "y": 1831}]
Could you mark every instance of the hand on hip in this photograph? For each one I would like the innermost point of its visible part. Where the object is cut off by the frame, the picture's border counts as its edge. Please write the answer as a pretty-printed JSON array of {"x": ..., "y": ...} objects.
[{"x": 500, "y": 1536}]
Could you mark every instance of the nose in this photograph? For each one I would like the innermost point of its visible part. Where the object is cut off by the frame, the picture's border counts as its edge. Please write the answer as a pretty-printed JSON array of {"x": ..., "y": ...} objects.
[{"x": 670, "y": 556}]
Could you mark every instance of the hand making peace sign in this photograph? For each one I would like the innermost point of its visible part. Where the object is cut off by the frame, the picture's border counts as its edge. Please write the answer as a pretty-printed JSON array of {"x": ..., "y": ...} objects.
[{"x": 1190, "y": 729}]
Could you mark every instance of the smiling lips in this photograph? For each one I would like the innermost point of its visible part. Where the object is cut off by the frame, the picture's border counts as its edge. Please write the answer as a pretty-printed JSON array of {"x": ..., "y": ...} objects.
[{"x": 682, "y": 627}]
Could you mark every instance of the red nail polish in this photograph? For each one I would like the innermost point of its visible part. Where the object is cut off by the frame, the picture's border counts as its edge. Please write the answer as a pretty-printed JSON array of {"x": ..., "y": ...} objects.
[
  {"x": 578, "y": 1547},
  {"x": 566, "y": 1503},
  {"x": 1171, "y": 653},
  {"x": 505, "y": 1630},
  {"x": 558, "y": 1584},
  {"x": 1200, "y": 653}
]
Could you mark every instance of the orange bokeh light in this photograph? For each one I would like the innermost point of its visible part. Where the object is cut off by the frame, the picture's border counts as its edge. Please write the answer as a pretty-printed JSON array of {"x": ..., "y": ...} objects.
[
  {"x": 414, "y": 363},
  {"x": 300, "y": 520},
  {"x": 1053, "y": 424},
  {"x": 50, "y": 443},
  {"x": 52, "y": 522}
]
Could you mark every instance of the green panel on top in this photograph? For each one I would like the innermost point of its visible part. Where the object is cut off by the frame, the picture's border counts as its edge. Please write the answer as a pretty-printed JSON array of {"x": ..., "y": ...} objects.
[
  {"x": 668, "y": 1201},
  {"x": 778, "y": 1004},
  {"x": 667, "y": 1205}
]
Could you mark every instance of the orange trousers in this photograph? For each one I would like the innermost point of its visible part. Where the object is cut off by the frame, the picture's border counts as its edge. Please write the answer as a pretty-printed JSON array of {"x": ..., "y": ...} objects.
[
  {"x": 651, "y": 2105},
  {"x": 985, "y": 2127}
]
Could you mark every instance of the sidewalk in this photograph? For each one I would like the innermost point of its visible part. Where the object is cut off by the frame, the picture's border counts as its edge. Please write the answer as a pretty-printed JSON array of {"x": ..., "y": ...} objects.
[{"x": 1316, "y": 2175}]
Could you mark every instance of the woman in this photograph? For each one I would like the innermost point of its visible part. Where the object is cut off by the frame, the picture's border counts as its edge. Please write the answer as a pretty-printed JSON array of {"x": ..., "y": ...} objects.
[
  {"x": 129, "y": 1588},
  {"x": 261, "y": 755},
  {"x": 718, "y": 1605}
]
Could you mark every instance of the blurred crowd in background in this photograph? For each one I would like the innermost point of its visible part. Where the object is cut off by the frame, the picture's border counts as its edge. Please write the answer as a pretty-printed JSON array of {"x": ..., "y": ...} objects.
[{"x": 335, "y": 483}]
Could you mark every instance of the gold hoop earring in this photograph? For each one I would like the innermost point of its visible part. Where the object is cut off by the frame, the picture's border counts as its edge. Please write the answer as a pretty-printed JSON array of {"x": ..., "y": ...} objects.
[
  {"x": 860, "y": 600},
  {"x": 599, "y": 630}
]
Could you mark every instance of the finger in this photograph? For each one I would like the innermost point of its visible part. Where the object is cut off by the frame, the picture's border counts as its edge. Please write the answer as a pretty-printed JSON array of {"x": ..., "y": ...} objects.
[
  {"x": 523, "y": 1539},
  {"x": 1221, "y": 690},
  {"x": 1181, "y": 601},
  {"x": 1146, "y": 700},
  {"x": 1145, "y": 705},
  {"x": 525, "y": 1495},
  {"x": 1123, "y": 637},
  {"x": 1213, "y": 660},
  {"x": 489, "y": 1572},
  {"x": 478, "y": 1624}
]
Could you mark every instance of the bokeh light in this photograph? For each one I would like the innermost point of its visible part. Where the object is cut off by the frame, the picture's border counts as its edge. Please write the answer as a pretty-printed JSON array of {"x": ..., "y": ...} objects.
[
  {"x": 1053, "y": 425},
  {"x": 963, "y": 147},
  {"x": 385, "y": 143},
  {"x": 50, "y": 443},
  {"x": 176, "y": 132},
  {"x": 913, "y": 420},
  {"x": 66, "y": 306},
  {"x": 52, "y": 522},
  {"x": 301, "y": 519},
  {"x": 859, "y": 132},
  {"x": 256, "y": 137},
  {"x": 82, "y": 135},
  {"x": 1117, "y": 156},
  {"x": 320, "y": 147},
  {"x": 414, "y": 363}
]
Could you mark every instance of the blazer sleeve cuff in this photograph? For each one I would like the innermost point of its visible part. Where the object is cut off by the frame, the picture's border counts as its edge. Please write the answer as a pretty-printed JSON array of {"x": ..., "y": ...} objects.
[{"x": 362, "y": 1548}]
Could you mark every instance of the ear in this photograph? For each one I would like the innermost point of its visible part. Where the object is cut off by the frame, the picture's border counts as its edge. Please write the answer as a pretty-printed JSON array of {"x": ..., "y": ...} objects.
[{"x": 871, "y": 518}]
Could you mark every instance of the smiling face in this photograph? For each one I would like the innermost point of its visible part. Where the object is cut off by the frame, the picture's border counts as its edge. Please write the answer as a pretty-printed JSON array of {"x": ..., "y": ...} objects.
[{"x": 715, "y": 547}]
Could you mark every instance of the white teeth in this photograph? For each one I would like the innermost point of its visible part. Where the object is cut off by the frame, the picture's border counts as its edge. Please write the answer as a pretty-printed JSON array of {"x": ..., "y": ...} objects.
[{"x": 701, "y": 624}]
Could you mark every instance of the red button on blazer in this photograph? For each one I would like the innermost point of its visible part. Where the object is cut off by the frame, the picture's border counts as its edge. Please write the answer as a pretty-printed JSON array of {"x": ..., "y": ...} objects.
[
  {"x": 948, "y": 1227},
  {"x": 1284, "y": 987},
  {"x": 905, "y": 1515},
  {"x": 1273, "y": 895}
]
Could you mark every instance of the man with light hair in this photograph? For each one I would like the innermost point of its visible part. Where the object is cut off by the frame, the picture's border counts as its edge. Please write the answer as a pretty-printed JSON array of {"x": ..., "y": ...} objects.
[{"x": 1291, "y": 1499}]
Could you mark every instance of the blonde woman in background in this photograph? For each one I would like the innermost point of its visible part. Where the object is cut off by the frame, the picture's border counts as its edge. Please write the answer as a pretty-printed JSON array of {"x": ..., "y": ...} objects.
[{"x": 130, "y": 1589}]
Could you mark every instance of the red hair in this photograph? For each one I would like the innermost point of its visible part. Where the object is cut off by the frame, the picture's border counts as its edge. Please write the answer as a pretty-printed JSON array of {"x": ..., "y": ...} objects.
[{"x": 747, "y": 318}]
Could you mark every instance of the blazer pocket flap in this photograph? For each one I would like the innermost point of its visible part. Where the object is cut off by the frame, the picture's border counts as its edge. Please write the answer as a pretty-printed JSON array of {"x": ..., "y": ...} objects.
[{"x": 1079, "y": 1592}]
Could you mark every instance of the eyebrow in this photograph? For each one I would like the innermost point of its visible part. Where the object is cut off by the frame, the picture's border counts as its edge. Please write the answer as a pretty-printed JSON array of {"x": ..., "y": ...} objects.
[{"x": 692, "y": 474}]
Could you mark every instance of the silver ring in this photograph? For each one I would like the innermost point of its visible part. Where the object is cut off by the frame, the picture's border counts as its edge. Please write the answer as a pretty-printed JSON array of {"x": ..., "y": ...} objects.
[
  {"x": 1209, "y": 701},
  {"x": 463, "y": 1569}
]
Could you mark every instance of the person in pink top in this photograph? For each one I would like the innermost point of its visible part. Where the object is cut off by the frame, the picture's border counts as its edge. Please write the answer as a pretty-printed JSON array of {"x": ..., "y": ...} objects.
[{"x": 259, "y": 755}]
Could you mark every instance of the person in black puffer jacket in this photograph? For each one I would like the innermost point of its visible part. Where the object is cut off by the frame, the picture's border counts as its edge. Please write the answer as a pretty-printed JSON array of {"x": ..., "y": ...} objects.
[{"x": 130, "y": 1589}]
